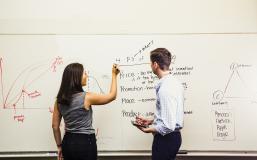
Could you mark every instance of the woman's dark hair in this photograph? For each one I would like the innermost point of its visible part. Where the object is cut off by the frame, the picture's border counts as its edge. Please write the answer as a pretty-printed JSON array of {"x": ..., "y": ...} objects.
[
  {"x": 162, "y": 57},
  {"x": 71, "y": 83}
]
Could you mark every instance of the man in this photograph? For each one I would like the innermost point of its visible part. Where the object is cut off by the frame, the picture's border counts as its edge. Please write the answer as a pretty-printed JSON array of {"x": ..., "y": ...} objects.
[{"x": 168, "y": 119}]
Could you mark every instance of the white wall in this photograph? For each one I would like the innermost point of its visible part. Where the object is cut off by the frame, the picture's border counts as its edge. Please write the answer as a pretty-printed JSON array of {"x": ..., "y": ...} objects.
[{"x": 127, "y": 17}]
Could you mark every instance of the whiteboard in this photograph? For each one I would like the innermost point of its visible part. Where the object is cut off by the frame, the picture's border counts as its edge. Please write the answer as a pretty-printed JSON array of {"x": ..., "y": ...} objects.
[{"x": 218, "y": 72}]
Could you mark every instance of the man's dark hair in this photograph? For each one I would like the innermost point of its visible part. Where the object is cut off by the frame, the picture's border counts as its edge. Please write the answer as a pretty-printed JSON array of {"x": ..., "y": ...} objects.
[
  {"x": 162, "y": 57},
  {"x": 71, "y": 83}
]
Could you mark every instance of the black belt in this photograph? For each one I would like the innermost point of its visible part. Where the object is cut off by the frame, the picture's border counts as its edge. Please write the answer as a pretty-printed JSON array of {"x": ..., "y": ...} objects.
[{"x": 177, "y": 129}]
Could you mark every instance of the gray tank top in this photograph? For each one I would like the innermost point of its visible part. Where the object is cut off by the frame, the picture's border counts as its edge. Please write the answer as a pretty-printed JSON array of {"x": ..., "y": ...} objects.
[{"x": 77, "y": 119}]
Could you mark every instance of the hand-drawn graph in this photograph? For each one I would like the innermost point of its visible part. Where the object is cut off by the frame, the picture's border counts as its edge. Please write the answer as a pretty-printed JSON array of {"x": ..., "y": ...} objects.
[
  {"x": 20, "y": 91},
  {"x": 237, "y": 90},
  {"x": 244, "y": 91}
]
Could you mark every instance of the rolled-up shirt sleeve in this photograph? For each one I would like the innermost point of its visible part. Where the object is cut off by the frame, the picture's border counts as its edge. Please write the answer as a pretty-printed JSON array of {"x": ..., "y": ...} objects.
[{"x": 166, "y": 123}]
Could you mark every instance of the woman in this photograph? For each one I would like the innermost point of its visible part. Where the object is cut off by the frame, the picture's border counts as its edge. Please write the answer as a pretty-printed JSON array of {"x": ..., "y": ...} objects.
[{"x": 75, "y": 106}]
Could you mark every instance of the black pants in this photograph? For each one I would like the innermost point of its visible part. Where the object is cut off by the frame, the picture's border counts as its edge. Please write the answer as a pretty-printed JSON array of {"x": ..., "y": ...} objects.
[
  {"x": 79, "y": 146},
  {"x": 166, "y": 147}
]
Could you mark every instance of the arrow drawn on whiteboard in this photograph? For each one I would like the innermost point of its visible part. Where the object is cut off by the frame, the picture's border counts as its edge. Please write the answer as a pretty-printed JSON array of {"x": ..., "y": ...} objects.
[{"x": 144, "y": 48}]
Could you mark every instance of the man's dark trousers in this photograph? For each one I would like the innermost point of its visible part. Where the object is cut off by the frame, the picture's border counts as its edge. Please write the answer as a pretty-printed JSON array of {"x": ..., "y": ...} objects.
[{"x": 166, "y": 147}]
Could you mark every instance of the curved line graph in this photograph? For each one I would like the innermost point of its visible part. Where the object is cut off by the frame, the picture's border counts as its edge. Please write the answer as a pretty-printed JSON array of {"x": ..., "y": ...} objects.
[{"x": 28, "y": 76}]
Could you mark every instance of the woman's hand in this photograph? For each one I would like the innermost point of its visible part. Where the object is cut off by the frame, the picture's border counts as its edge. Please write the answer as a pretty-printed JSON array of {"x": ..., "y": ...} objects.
[
  {"x": 115, "y": 69},
  {"x": 60, "y": 157}
]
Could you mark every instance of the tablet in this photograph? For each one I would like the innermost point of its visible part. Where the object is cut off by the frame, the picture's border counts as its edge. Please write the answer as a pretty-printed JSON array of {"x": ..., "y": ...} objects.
[{"x": 139, "y": 125}]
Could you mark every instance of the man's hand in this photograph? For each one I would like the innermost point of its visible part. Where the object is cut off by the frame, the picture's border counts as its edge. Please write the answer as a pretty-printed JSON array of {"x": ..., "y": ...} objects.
[
  {"x": 143, "y": 121},
  {"x": 147, "y": 130}
]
